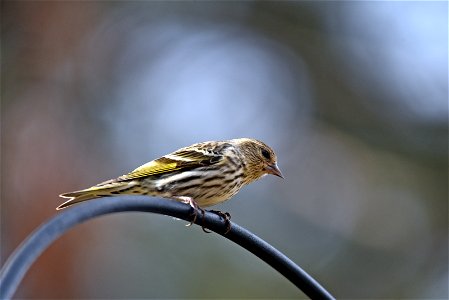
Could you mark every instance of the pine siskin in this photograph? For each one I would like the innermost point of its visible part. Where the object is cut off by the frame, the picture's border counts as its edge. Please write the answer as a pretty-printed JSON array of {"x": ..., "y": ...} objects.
[{"x": 201, "y": 175}]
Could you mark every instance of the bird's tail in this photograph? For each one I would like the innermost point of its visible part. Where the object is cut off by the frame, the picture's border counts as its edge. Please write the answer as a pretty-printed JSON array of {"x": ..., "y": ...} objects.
[{"x": 108, "y": 188}]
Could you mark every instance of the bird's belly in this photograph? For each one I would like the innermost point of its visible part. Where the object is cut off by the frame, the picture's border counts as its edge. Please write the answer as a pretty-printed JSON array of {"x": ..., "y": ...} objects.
[
  {"x": 194, "y": 185},
  {"x": 214, "y": 198}
]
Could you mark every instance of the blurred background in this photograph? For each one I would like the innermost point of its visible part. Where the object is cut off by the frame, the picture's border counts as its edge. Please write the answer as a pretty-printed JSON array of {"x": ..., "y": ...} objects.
[{"x": 351, "y": 95}]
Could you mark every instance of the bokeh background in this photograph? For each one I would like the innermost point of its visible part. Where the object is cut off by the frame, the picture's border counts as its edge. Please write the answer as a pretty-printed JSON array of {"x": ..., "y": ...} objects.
[{"x": 352, "y": 96}]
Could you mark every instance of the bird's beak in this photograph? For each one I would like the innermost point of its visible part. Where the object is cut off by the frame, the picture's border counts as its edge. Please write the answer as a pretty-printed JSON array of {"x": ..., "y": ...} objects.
[{"x": 274, "y": 170}]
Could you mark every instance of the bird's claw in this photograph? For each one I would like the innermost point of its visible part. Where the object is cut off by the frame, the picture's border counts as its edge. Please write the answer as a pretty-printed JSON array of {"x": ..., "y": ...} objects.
[
  {"x": 195, "y": 208},
  {"x": 193, "y": 205},
  {"x": 226, "y": 216}
]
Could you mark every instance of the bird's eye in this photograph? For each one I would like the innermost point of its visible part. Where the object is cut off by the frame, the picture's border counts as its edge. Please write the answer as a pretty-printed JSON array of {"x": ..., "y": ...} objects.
[{"x": 266, "y": 154}]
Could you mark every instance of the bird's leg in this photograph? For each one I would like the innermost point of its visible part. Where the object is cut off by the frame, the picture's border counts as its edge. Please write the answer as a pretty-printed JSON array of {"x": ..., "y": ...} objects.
[
  {"x": 226, "y": 216},
  {"x": 195, "y": 206}
]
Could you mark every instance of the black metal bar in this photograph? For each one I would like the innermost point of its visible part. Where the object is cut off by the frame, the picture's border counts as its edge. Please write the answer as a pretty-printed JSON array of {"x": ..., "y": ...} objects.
[{"x": 19, "y": 262}]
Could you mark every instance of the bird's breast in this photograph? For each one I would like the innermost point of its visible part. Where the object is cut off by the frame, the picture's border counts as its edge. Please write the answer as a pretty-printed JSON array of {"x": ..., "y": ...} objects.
[{"x": 206, "y": 186}]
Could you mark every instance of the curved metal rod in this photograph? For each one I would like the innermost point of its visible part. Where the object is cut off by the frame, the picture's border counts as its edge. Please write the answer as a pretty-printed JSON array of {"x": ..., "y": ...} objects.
[{"x": 23, "y": 257}]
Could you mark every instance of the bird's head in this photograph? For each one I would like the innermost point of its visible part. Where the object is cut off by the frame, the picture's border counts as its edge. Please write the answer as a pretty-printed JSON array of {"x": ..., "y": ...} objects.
[{"x": 260, "y": 159}]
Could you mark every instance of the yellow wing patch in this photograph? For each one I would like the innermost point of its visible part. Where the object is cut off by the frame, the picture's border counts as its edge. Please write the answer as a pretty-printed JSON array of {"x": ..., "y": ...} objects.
[
  {"x": 151, "y": 168},
  {"x": 175, "y": 161}
]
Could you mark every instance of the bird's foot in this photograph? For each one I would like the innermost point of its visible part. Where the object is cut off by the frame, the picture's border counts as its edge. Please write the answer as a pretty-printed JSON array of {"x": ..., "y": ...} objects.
[
  {"x": 226, "y": 216},
  {"x": 195, "y": 207}
]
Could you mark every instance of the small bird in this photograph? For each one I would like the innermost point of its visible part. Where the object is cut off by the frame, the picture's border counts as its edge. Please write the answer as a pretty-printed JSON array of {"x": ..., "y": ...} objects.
[{"x": 200, "y": 175}]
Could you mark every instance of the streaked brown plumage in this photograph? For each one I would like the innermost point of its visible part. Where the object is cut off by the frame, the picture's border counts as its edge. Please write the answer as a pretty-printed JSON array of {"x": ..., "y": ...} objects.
[{"x": 202, "y": 174}]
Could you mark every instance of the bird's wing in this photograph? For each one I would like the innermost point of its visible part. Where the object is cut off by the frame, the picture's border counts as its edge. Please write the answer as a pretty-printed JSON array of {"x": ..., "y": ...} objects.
[{"x": 183, "y": 159}]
